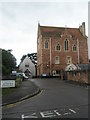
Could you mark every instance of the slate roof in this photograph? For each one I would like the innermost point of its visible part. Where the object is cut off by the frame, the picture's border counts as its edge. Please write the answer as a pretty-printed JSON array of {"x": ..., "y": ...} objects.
[
  {"x": 84, "y": 66},
  {"x": 80, "y": 67}
]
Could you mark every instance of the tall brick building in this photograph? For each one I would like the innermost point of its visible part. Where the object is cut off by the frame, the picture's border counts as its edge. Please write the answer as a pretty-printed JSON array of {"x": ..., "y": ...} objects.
[{"x": 58, "y": 47}]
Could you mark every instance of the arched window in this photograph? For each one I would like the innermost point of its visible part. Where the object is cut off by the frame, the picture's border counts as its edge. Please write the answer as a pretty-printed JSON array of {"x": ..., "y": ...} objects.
[
  {"x": 66, "y": 45},
  {"x": 46, "y": 44},
  {"x": 74, "y": 48},
  {"x": 58, "y": 47}
]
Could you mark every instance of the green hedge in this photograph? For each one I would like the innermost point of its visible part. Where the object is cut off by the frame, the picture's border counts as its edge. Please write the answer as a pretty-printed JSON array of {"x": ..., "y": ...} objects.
[{"x": 18, "y": 81}]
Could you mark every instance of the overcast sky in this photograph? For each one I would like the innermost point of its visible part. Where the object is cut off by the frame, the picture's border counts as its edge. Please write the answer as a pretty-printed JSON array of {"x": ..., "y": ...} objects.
[{"x": 19, "y": 21}]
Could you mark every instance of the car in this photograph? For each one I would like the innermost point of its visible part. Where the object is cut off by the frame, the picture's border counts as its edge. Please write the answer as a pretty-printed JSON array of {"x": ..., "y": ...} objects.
[
  {"x": 22, "y": 75},
  {"x": 26, "y": 77}
]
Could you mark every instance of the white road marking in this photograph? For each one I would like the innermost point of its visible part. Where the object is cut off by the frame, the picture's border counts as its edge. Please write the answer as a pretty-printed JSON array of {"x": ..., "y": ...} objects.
[
  {"x": 51, "y": 113},
  {"x": 22, "y": 117},
  {"x": 67, "y": 113},
  {"x": 56, "y": 111},
  {"x": 72, "y": 111},
  {"x": 29, "y": 116},
  {"x": 47, "y": 114}
]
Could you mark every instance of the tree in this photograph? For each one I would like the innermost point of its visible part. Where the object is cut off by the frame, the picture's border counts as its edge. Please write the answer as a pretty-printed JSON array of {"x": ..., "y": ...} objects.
[
  {"x": 23, "y": 57},
  {"x": 8, "y": 62}
]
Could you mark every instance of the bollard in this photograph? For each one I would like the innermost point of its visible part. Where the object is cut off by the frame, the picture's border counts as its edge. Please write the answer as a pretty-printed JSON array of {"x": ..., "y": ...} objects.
[{"x": 61, "y": 76}]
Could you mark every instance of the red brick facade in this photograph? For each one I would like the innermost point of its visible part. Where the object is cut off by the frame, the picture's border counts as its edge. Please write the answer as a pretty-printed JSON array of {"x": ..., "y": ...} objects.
[{"x": 58, "y": 47}]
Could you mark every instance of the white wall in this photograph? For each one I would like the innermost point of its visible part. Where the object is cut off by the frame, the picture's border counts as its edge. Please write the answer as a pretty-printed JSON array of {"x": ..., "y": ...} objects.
[{"x": 31, "y": 67}]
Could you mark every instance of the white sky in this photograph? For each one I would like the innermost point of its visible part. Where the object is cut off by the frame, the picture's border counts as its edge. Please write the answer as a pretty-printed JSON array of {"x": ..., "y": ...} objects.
[{"x": 19, "y": 21}]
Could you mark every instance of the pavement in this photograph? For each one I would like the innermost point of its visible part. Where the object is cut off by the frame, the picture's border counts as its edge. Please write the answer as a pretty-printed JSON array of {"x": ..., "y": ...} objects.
[{"x": 26, "y": 90}]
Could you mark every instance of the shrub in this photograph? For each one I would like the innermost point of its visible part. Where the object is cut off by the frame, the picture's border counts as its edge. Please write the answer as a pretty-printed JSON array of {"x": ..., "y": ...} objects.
[{"x": 18, "y": 81}]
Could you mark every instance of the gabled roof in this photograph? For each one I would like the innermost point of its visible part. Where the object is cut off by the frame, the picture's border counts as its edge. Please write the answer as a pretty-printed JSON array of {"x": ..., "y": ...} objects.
[
  {"x": 71, "y": 67},
  {"x": 50, "y": 30},
  {"x": 32, "y": 57}
]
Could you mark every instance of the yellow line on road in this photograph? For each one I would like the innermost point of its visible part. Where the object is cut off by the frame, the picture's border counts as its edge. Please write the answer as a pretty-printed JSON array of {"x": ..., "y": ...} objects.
[
  {"x": 11, "y": 105},
  {"x": 37, "y": 94},
  {"x": 14, "y": 104}
]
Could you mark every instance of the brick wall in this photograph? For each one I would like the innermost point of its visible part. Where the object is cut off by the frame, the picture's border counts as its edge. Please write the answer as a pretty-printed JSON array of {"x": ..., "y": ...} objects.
[{"x": 80, "y": 76}]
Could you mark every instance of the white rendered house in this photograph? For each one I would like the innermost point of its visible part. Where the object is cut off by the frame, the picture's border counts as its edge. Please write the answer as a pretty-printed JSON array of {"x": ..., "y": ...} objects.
[{"x": 28, "y": 67}]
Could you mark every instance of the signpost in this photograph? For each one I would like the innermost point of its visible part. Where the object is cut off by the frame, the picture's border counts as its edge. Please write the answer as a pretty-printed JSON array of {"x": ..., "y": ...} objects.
[{"x": 7, "y": 83}]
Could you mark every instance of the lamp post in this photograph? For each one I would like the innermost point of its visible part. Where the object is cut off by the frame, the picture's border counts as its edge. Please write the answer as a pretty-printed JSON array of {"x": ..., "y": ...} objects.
[{"x": 50, "y": 56}]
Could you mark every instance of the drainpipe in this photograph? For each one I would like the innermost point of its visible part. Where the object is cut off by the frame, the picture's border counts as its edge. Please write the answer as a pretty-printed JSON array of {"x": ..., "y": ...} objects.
[
  {"x": 50, "y": 56},
  {"x": 78, "y": 51}
]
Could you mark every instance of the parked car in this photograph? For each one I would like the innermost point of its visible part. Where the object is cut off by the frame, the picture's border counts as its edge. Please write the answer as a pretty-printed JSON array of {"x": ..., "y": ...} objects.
[
  {"x": 22, "y": 75},
  {"x": 26, "y": 77}
]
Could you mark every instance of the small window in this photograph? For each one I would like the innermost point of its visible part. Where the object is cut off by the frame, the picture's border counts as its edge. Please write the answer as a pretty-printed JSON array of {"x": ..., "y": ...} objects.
[
  {"x": 68, "y": 60},
  {"x": 46, "y": 44},
  {"x": 26, "y": 65},
  {"x": 74, "y": 48},
  {"x": 58, "y": 47},
  {"x": 57, "y": 60}
]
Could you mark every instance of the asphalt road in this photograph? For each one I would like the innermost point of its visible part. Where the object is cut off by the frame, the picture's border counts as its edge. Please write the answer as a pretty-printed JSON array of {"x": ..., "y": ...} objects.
[{"x": 57, "y": 99}]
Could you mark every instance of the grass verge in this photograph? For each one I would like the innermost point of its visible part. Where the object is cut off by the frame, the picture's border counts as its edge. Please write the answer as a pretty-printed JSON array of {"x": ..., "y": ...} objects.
[{"x": 6, "y": 91}]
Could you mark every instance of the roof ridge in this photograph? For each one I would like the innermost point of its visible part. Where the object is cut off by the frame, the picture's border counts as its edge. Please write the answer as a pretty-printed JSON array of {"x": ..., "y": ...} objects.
[{"x": 58, "y": 27}]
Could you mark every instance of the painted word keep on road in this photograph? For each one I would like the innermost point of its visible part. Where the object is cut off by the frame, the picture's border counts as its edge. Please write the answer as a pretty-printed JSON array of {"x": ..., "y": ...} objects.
[{"x": 50, "y": 113}]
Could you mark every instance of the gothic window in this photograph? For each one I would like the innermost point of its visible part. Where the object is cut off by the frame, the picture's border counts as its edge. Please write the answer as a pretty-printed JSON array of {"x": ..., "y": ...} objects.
[
  {"x": 74, "y": 48},
  {"x": 57, "y": 60},
  {"x": 66, "y": 45},
  {"x": 46, "y": 44},
  {"x": 58, "y": 47}
]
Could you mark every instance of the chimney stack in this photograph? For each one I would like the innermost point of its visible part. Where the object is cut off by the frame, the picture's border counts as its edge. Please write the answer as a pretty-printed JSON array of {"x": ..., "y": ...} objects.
[{"x": 82, "y": 29}]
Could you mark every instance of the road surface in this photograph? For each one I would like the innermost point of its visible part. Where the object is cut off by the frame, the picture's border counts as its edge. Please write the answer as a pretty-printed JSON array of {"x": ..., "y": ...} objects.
[{"x": 57, "y": 99}]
